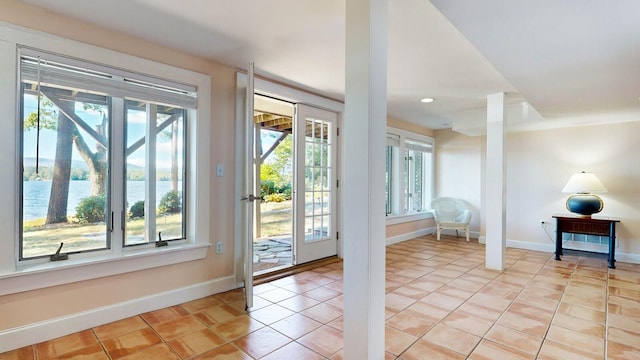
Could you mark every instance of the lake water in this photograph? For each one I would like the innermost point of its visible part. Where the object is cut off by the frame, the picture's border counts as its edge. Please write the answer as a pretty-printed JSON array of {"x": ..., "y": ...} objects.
[{"x": 36, "y": 195}]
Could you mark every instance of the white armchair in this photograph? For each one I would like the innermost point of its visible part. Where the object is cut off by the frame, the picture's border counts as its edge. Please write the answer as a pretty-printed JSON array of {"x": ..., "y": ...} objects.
[{"x": 451, "y": 213}]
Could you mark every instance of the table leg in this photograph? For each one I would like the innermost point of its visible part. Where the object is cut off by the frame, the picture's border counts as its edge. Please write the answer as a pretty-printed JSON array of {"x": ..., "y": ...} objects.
[
  {"x": 558, "y": 240},
  {"x": 612, "y": 245}
]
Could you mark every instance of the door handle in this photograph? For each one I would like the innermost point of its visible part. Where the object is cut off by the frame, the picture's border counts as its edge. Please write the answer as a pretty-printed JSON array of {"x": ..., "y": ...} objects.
[{"x": 250, "y": 198}]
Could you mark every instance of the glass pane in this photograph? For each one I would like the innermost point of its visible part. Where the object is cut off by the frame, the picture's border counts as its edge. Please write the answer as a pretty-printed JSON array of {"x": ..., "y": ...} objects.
[
  {"x": 135, "y": 164},
  {"x": 169, "y": 170},
  {"x": 326, "y": 204},
  {"x": 64, "y": 199},
  {"x": 326, "y": 179},
  {"x": 387, "y": 182},
  {"x": 165, "y": 181},
  {"x": 317, "y": 179},
  {"x": 417, "y": 181}
]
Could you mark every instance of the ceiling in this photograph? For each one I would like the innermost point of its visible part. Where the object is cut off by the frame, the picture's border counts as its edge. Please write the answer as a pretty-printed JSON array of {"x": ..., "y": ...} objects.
[{"x": 560, "y": 62}]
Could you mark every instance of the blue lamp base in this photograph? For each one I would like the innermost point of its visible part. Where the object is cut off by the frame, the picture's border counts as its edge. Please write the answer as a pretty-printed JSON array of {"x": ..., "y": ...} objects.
[{"x": 584, "y": 204}]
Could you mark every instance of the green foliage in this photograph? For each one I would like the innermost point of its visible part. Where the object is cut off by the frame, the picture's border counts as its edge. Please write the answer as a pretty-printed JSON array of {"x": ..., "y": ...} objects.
[
  {"x": 139, "y": 175},
  {"x": 276, "y": 172},
  {"x": 90, "y": 210},
  {"x": 79, "y": 174},
  {"x": 44, "y": 173},
  {"x": 48, "y": 116},
  {"x": 275, "y": 198},
  {"x": 170, "y": 203},
  {"x": 137, "y": 210},
  {"x": 267, "y": 187}
]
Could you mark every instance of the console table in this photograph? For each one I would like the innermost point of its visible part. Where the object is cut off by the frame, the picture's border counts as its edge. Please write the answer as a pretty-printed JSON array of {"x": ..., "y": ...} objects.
[{"x": 590, "y": 226}]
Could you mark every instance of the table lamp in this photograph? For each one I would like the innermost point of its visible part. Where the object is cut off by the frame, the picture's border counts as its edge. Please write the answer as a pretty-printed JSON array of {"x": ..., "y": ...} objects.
[{"x": 582, "y": 201}]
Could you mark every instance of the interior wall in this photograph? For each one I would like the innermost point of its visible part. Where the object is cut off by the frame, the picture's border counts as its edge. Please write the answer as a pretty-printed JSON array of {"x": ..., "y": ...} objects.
[
  {"x": 458, "y": 170},
  {"x": 539, "y": 163},
  {"x": 33, "y": 306}
]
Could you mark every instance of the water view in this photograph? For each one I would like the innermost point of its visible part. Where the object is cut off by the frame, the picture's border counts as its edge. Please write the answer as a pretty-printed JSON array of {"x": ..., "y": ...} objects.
[{"x": 37, "y": 193}]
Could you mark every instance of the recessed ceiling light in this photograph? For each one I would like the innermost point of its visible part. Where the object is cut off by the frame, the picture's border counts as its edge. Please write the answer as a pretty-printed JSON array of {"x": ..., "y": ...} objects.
[{"x": 427, "y": 100}]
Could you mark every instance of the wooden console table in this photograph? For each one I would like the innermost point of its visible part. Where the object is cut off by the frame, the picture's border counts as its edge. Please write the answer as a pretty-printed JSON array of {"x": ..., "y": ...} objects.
[{"x": 590, "y": 226}]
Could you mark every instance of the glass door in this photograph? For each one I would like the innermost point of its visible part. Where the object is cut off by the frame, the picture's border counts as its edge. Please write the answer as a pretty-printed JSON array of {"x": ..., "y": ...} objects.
[
  {"x": 315, "y": 179},
  {"x": 248, "y": 196}
]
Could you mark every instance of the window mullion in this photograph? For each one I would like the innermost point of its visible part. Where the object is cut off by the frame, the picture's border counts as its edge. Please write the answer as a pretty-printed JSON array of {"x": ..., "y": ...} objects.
[
  {"x": 117, "y": 181},
  {"x": 150, "y": 174}
]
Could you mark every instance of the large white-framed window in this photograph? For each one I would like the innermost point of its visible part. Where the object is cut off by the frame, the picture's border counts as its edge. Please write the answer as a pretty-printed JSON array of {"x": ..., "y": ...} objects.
[
  {"x": 409, "y": 175},
  {"x": 133, "y": 132}
]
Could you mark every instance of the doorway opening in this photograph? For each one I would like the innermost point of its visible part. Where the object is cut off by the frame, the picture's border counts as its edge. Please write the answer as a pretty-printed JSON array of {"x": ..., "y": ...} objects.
[{"x": 273, "y": 218}]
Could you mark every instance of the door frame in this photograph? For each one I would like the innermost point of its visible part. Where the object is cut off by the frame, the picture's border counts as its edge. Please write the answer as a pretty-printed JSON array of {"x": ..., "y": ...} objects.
[{"x": 280, "y": 91}]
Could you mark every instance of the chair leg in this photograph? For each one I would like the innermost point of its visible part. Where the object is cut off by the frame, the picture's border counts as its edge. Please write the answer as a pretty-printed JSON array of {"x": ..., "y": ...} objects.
[
  {"x": 438, "y": 233},
  {"x": 457, "y": 233},
  {"x": 467, "y": 234}
]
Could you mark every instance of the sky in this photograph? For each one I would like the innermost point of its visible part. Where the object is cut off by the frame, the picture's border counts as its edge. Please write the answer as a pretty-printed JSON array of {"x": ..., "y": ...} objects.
[{"x": 136, "y": 129}]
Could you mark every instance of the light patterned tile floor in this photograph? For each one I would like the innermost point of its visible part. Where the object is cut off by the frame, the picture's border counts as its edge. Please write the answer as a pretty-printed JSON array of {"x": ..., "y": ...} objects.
[{"x": 441, "y": 303}]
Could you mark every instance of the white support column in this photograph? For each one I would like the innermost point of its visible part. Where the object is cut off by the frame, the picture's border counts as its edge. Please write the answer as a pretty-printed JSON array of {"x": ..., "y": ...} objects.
[
  {"x": 495, "y": 185},
  {"x": 364, "y": 140}
]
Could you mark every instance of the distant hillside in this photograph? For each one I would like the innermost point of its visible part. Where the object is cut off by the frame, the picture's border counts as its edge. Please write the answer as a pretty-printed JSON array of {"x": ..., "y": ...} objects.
[{"x": 75, "y": 164}]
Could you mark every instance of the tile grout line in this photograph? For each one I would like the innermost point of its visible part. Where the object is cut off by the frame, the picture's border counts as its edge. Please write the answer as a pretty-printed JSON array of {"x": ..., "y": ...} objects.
[
  {"x": 464, "y": 302},
  {"x": 505, "y": 310},
  {"x": 100, "y": 343},
  {"x": 555, "y": 312}
]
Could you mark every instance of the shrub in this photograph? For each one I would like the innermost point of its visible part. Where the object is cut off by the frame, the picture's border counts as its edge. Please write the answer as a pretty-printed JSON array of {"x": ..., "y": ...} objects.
[
  {"x": 267, "y": 187},
  {"x": 286, "y": 190},
  {"x": 170, "y": 203},
  {"x": 90, "y": 209},
  {"x": 137, "y": 210},
  {"x": 275, "y": 198}
]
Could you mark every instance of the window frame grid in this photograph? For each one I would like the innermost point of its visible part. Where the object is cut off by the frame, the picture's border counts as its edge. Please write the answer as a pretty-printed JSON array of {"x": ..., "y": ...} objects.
[
  {"x": 399, "y": 187},
  {"x": 17, "y": 276}
]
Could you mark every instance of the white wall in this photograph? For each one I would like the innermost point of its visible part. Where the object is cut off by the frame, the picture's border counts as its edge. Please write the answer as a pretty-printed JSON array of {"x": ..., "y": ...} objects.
[
  {"x": 458, "y": 170},
  {"x": 539, "y": 163}
]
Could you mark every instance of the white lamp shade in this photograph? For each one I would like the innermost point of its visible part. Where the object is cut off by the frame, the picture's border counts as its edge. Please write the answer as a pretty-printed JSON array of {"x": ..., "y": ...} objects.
[{"x": 584, "y": 183}]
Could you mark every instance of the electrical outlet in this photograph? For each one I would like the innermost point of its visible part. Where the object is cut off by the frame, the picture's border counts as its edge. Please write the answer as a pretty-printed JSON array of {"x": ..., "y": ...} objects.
[{"x": 219, "y": 247}]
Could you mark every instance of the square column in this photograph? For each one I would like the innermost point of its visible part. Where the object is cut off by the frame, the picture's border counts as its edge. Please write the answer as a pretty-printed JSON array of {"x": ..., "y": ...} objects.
[
  {"x": 363, "y": 210},
  {"x": 495, "y": 185}
]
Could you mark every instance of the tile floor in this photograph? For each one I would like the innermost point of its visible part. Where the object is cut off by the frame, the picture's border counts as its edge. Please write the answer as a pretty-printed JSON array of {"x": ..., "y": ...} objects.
[{"x": 441, "y": 303}]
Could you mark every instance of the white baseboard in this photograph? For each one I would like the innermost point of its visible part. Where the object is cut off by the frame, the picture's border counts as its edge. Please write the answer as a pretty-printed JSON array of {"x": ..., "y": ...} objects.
[
  {"x": 424, "y": 232},
  {"x": 527, "y": 245},
  {"x": 630, "y": 258},
  {"x": 18, "y": 337},
  {"x": 551, "y": 248},
  {"x": 411, "y": 235},
  {"x": 450, "y": 232}
]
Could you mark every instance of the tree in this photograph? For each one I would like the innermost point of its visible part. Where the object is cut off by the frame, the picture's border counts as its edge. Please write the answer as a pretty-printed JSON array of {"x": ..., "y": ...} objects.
[
  {"x": 58, "y": 200},
  {"x": 171, "y": 133},
  {"x": 278, "y": 166},
  {"x": 64, "y": 119},
  {"x": 96, "y": 161},
  {"x": 59, "y": 196}
]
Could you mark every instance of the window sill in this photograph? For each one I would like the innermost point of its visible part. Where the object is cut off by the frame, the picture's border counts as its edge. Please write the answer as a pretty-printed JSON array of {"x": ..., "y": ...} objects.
[
  {"x": 399, "y": 219},
  {"x": 48, "y": 274}
]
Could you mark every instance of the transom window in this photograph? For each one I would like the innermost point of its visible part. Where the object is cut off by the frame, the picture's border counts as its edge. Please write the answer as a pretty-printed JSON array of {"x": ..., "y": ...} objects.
[
  {"x": 103, "y": 156},
  {"x": 409, "y": 172}
]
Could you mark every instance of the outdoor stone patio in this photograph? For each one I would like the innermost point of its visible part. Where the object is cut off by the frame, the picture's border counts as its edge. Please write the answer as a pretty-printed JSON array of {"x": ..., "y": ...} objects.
[{"x": 271, "y": 252}]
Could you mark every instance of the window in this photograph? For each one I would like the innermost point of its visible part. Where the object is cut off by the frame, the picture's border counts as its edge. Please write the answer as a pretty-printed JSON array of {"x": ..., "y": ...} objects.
[
  {"x": 103, "y": 156},
  {"x": 409, "y": 173},
  {"x": 417, "y": 157}
]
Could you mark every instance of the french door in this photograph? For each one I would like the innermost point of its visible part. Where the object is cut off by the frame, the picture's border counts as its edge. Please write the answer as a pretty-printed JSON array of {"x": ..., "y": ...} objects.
[
  {"x": 315, "y": 235},
  {"x": 314, "y": 168}
]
